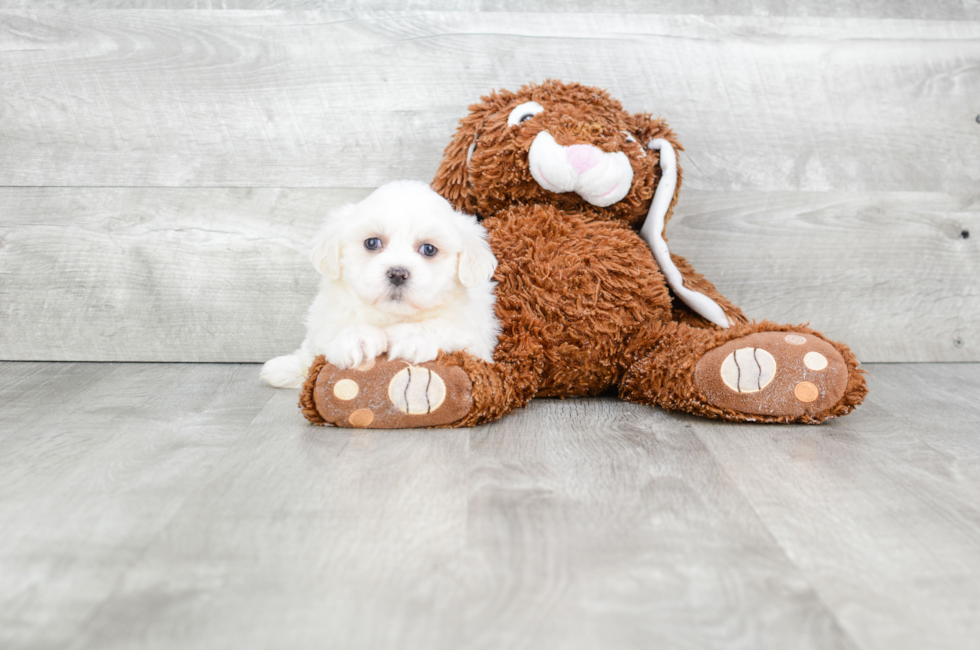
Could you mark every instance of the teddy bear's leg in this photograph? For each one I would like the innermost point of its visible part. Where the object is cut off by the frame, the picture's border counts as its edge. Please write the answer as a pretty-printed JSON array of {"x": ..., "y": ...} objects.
[
  {"x": 455, "y": 390},
  {"x": 757, "y": 372}
]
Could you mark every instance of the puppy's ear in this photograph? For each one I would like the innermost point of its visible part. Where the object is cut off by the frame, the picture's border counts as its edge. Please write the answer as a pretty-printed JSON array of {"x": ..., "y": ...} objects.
[
  {"x": 476, "y": 260},
  {"x": 325, "y": 252}
]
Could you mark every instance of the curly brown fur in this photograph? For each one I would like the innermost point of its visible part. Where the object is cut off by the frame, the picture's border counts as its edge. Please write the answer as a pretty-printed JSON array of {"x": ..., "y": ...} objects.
[
  {"x": 571, "y": 292},
  {"x": 498, "y": 388},
  {"x": 306, "y": 402}
]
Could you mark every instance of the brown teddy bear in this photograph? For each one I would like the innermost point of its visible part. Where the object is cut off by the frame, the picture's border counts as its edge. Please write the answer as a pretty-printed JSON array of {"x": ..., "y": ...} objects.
[{"x": 575, "y": 192}]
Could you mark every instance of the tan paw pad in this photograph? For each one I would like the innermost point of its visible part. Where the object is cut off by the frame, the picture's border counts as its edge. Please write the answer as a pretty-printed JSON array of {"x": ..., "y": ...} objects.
[
  {"x": 806, "y": 392},
  {"x": 778, "y": 374},
  {"x": 748, "y": 370},
  {"x": 361, "y": 418},
  {"x": 391, "y": 394},
  {"x": 416, "y": 390},
  {"x": 814, "y": 361},
  {"x": 366, "y": 365},
  {"x": 346, "y": 389}
]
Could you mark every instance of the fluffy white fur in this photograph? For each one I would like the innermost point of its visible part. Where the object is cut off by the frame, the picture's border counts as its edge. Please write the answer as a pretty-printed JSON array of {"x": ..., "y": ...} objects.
[{"x": 445, "y": 303}]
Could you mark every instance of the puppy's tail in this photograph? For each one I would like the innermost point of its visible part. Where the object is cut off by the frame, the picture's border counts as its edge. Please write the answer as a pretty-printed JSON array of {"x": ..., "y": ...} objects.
[{"x": 287, "y": 371}]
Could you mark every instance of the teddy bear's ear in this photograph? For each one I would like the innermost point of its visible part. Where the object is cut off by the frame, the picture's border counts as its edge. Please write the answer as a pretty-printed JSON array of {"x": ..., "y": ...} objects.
[
  {"x": 325, "y": 248},
  {"x": 647, "y": 128},
  {"x": 657, "y": 137},
  {"x": 452, "y": 180}
]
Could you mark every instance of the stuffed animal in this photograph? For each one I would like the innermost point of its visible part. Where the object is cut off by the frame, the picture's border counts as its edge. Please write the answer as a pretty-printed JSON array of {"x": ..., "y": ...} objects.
[{"x": 575, "y": 193}]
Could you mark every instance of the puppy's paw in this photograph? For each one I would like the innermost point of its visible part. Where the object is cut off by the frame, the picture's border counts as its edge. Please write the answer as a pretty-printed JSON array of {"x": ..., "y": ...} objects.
[
  {"x": 412, "y": 343},
  {"x": 354, "y": 345},
  {"x": 288, "y": 371}
]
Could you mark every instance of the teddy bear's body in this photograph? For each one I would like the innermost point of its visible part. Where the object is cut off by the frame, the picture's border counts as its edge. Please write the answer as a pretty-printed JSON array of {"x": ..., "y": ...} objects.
[
  {"x": 573, "y": 293},
  {"x": 585, "y": 308}
]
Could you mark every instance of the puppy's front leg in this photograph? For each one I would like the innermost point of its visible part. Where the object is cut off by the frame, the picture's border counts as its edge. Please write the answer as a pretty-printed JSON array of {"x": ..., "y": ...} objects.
[
  {"x": 354, "y": 345},
  {"x": 416, "y": 342}
]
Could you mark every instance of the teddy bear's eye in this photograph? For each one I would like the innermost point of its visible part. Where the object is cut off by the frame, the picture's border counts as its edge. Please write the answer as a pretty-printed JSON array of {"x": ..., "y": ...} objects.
[
  {"x": 523, "y": 112},
  {"x": 631, "y": 140},
  {"x": 428, "y": 250},
  {"x": 372, "y": 244}
]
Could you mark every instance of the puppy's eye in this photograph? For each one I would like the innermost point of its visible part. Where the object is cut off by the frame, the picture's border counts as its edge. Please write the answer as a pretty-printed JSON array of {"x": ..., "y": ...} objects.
[
  {"x": 428, "y": 250},
  {"x": 524, "y": 112},
  {"x": 373, "y": 244}
]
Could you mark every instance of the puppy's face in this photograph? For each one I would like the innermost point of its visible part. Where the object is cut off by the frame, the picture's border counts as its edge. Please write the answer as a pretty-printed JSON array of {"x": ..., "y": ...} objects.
[
  {"x": 402, "y": 257},
  {"x": 404, "y": 249}
]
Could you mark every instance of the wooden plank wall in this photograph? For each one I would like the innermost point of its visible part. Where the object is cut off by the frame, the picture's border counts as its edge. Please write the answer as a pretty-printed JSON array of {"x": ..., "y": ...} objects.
[{"x": 161, "y": 168}]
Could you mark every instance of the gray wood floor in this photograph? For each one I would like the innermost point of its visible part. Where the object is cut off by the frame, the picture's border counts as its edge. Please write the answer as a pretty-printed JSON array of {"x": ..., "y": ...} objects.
[{"x": 190, "y": 506}]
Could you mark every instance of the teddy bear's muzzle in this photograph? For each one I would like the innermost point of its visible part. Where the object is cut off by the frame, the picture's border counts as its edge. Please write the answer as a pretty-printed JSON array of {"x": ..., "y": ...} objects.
[{"x": 600, "y": 177}]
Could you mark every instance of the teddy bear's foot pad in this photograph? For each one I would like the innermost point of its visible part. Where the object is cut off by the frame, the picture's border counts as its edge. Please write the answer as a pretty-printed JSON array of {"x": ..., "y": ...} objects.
[
  {"x": 392, "y": 394},
  {"x": 785, "y": 375}
]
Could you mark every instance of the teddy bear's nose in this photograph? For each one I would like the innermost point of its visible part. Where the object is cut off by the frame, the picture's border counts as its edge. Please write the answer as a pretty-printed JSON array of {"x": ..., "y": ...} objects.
[{"x": 583, "y": 157}]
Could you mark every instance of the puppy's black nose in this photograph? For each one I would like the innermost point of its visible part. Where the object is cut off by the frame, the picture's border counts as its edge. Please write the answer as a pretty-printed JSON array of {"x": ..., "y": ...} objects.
[{"x": 397, "y": 276}]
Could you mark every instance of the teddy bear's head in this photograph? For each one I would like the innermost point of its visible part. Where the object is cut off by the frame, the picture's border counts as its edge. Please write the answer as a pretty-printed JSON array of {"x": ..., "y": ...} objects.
[{"x": 564, "y": 144}]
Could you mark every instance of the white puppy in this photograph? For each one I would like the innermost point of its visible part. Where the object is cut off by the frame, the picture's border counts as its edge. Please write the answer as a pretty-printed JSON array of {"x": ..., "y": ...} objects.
[{"x": 404, "y": 274}]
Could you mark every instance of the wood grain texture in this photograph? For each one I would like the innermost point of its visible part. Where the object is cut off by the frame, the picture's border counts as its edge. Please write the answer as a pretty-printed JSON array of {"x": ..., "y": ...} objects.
[
  {"x": 572, "y": 525},
  {"x": 893, "y": 275},
  {"x": 96, "y": 460},
  {"x": 910, "y": 9},
  {"x": 157, "y": 274},
  {"x": 354, "y": 540},
  {"x": 880, "y": 512},
  {"x": 563, "y": 492},
  {"x": 353, "y": 99},
  {"x": 182, "y": 505},
  {"x": 946, "y": 419},
  {"x": 222, "y": 274}
]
